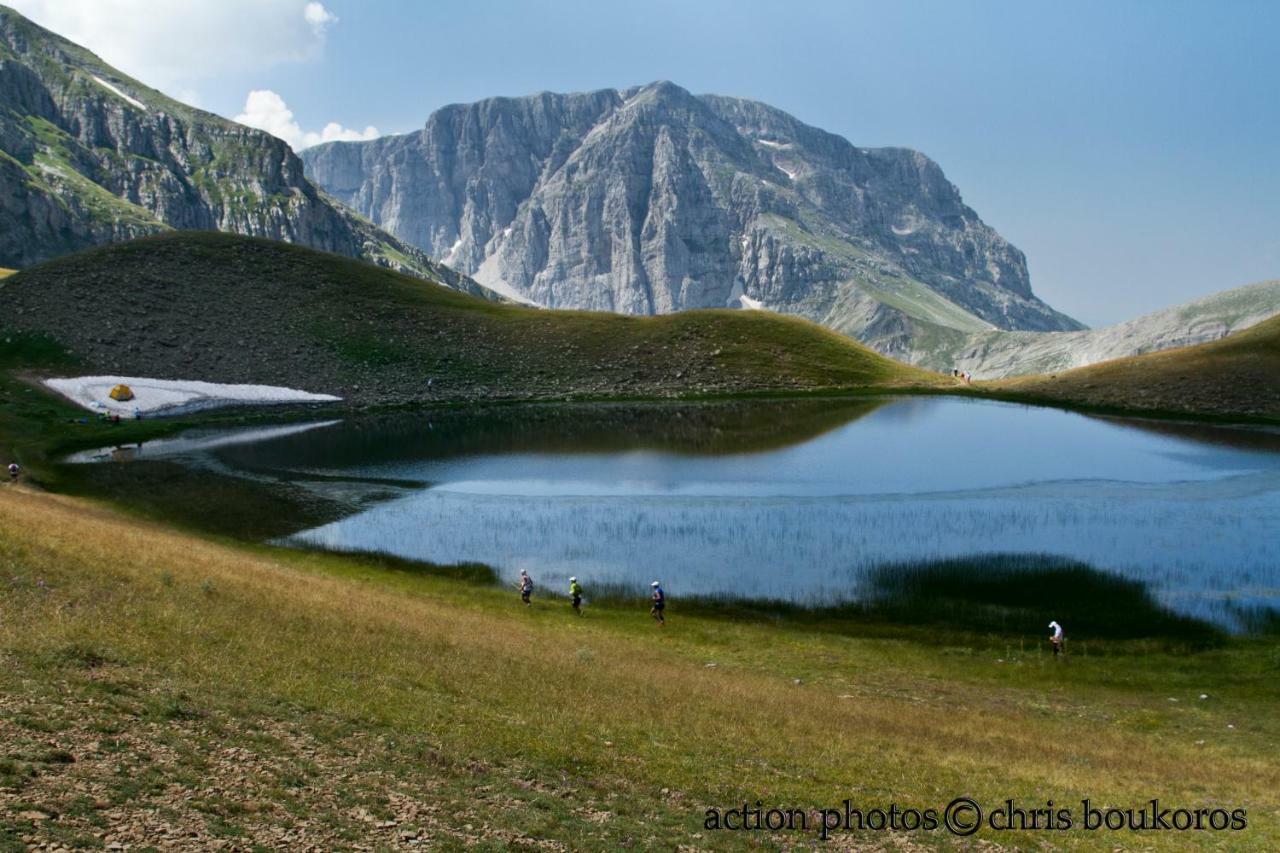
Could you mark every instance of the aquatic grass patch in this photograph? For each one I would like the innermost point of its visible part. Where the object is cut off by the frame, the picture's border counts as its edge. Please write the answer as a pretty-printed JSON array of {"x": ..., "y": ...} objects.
[
  {"x": 378, "y": 561},
  {"x": 1021, "y": 593},
  {"x": 987, "y": 599}
]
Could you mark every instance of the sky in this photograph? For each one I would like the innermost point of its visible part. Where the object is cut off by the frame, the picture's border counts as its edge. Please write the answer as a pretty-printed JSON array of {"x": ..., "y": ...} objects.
[{"x": 1128, "y": 148}]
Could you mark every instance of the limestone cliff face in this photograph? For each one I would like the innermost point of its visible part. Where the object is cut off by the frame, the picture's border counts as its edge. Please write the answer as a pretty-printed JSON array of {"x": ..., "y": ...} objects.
[
  {"x": 650, "y": 200},
  {"x": 89, "y": 156}
]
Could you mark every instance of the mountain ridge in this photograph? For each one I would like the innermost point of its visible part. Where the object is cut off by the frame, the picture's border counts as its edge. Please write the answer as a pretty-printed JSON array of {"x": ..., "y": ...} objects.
[
  {"x": 998, "y": 354},
  {"x": 88, "y": 155},
  {"x": 651, "y": 199}
]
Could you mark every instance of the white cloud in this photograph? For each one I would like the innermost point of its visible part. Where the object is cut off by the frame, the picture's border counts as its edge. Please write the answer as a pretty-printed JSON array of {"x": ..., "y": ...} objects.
[
  {"x": 318, "y": 17},
  {"x": 169, "y": 44},
  {"x": 266, "y": 110}
]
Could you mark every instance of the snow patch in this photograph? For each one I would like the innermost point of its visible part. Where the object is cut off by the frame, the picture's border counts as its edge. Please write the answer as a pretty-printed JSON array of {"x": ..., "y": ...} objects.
[
  {"x": 902, "y": 232},
  {"x": 452, "y": 253},
  {"x": 490, "y": 277},
  {"x": 790, "y": 174},
  {"x": 739, "y": 299},
  {"x": 104, "y": 84},
  {"x": 776, "y": 145},
  {"x": 172, "y": 397}
]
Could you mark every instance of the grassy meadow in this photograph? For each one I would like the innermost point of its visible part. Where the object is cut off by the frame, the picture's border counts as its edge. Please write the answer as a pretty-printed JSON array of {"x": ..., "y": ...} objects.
[{"x": 162, "y": 687}]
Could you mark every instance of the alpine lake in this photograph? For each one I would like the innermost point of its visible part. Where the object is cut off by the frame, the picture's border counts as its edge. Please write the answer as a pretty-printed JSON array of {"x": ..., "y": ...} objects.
[{"x": 933, "y": 508}]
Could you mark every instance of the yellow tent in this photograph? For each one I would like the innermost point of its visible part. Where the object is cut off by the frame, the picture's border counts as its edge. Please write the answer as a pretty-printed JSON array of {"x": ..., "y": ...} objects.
[{"x": 122, "y": 393}]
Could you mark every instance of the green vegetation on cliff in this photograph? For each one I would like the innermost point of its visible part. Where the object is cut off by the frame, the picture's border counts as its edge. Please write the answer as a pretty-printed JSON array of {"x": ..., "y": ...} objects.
[{"x": 89, "y": 156}]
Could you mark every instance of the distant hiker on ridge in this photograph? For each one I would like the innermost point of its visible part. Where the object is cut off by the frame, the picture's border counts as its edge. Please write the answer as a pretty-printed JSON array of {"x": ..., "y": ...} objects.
[
  {"x": 575, "y": 590},
  {"x": 659, "y": 599},
  {"x": 1056, "y": 638},
  {"x": 526, "y": 587}
]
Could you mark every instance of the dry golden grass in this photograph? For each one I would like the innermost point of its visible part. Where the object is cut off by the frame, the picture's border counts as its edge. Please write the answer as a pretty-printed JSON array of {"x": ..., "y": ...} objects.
[{"x": 658, "y": 735}]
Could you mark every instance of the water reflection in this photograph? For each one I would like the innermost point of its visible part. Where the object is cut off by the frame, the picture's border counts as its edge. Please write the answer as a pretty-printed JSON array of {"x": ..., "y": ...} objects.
[
  {"x": 806, "y": 521},
  {"x": 803, "y": 500}
]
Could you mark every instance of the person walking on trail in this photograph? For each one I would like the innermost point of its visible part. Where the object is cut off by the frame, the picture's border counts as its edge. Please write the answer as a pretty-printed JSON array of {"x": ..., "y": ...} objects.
[
  {"x": 526, "y": 587},
  {"x": 1056, "y": 638},
  {"x": 659, "y": 599},
  {"x": 575, "y": 590},
  {"x": 14, "y": 471}
]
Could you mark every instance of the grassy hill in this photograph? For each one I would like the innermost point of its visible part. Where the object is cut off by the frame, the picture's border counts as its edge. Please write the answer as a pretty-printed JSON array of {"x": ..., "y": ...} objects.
[
  {"x": 995, "y": 354},
  {"x": 1236, "y": 376},
  {"x": 233, "y": 309},
  {"x": 159, "y": 686}
]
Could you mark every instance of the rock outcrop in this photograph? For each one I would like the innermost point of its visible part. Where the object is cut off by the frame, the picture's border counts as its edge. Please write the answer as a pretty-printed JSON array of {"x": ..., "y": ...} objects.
[
  {"x": 651, "y": 200},
  {"x": 90, "y": 156}
]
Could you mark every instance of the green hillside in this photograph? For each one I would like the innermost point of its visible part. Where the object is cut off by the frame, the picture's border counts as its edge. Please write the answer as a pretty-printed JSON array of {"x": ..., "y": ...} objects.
[
  {"x": 216, "y": 307},
  {"x": 1236, "y": 376}
]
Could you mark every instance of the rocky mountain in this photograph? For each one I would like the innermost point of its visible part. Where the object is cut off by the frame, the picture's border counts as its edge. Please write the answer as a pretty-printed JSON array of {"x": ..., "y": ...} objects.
[
  {"x": 996, "y": 354},
  {"x": 650, "y": 200},
  {"x": 90, "y": 156}
]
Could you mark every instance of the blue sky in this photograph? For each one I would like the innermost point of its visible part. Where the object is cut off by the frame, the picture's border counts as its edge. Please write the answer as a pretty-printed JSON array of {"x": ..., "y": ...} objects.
[{"x": 1128, "y": 148}]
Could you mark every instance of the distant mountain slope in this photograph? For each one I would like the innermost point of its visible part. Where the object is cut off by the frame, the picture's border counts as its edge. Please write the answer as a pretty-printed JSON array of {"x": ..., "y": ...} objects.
[
  {"x": 651, "y": 200},
  {"x": 89, "y": 155},
  {"x": 222, "y": 308},
  {"x": 995, "y": 354},
  {"x": 1238, "y": 375}
]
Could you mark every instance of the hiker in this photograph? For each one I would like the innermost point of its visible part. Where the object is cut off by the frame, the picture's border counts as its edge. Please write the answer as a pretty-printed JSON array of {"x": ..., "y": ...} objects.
[
  {"x": 1056, "y": 638},
  {"x": 526, "y": 587},
  {"x": 14, "y": 471},
  {"x": 575, "y": 590},
  {"x": 659, "y": 599}
]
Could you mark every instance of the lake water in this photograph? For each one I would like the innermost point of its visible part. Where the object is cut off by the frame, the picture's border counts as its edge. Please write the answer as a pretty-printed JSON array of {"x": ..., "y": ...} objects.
[{"x": 797, "y": 501}]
